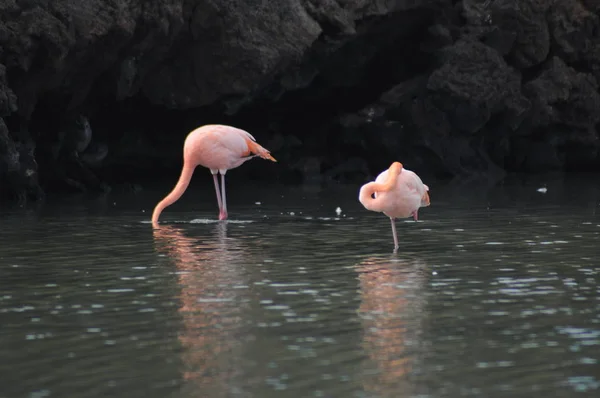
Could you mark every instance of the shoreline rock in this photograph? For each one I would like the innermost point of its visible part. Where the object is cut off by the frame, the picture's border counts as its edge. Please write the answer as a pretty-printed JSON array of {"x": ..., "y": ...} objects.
[{"x": 452, "y": 88}]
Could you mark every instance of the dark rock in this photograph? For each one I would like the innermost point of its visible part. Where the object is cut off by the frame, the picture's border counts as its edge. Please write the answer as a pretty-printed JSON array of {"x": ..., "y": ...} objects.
[
  {"x": 335, "y": 89},
  {"x": 542, "y": 156},
  {"x": 582, "y": 155},
  {"x": 575, "y": 30},
  {"x": 562, "y": 95},
  {"x": 501, "y": 40},
  {"x": 94, "y": 155},
  {"x": 527, "y": 21},
  {"x": 353, "y": 169},
  {"x": 310, "y": 168},
  {"x": 473, "y": 83},
  {"x": 18, "y": 168},
  {"x": 8, "y": 99}
]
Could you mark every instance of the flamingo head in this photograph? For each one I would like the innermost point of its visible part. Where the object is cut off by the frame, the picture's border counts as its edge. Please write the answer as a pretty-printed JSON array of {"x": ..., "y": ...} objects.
[{"x": 395, "y": 169}]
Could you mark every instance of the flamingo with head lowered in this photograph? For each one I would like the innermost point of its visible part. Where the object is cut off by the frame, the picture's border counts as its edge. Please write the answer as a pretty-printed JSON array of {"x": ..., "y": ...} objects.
[
  {"x": 218, "y": 148},
  {"x": 397, "y": 193}
]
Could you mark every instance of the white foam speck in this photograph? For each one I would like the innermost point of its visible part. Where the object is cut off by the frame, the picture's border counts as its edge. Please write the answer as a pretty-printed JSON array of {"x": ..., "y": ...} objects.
[
  {"x": 277, "y": 307},
  {"x": 291, "y": 284},
  {"x": 542, "y": 190},
  {"x": 213, "y": 300}
]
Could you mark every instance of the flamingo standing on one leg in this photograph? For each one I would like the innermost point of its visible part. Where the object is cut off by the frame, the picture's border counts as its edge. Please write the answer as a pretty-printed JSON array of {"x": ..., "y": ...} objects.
[
  {"x": 218, "y": 148},
  {"x": 397, "y": 193}
]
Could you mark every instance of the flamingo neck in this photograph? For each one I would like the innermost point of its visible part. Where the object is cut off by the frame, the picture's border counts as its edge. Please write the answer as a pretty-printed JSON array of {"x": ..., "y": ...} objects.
[
  {"x": 184, "y": 180},
  {"x": 365, "y": 195}
]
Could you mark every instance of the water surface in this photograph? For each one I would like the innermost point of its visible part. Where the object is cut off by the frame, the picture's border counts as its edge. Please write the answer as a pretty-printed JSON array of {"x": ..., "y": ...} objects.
[{"x": 495, "y": 292}]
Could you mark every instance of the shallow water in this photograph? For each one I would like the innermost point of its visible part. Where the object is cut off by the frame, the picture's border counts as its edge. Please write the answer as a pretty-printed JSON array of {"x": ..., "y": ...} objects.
[{"x": 495, "y": 292}]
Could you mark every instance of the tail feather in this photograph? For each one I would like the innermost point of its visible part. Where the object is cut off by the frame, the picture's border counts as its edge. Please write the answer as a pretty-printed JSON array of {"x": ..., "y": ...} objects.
[{"x": 255, "y": 149}]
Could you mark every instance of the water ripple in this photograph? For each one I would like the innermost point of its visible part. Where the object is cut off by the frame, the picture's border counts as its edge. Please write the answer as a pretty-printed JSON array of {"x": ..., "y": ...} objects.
[{"x": 490, "y": 297}]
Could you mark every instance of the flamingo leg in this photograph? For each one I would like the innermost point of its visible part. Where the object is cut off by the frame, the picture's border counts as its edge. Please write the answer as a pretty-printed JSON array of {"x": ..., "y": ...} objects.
[
  {"x": 223, "y": 212},
  {"x": 416, "y": 215},
  {"x": 216, "y": 180},
  {"x": 396, "y": 246}
]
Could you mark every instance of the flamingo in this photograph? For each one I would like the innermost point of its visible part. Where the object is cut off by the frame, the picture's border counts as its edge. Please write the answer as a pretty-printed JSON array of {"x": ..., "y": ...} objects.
[
  {"x": 218, "y": 148},
  {"x": 397, "y": 193}
]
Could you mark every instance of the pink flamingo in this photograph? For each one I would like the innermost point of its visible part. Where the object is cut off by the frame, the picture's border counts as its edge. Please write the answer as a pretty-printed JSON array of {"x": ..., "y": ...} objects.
[
  {"x": 218, "y": 148},
  {"x": 397, "y": 193}
]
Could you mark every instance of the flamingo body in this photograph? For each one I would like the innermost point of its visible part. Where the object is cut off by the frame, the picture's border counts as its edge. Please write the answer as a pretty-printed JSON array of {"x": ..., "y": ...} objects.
[
  {"x": 397, "y": 193},
  {"x": 218, "y": 148}
]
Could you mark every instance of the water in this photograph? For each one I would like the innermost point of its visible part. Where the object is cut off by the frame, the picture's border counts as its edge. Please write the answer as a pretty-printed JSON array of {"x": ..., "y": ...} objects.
[{"x": 493, "y": 293}]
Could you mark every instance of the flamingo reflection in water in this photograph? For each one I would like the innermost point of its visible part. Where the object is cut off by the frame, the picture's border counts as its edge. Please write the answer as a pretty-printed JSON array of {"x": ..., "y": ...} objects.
[
  {"x": 391, "y": 312},
  {"x": 212, "y": 310}
]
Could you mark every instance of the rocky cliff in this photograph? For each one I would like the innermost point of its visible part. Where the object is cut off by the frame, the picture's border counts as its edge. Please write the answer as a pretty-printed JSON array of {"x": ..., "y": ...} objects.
[{"x": 101, "y": 92}]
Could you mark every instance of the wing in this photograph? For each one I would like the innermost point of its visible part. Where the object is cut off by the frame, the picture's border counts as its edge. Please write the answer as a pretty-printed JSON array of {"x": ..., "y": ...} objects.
[
  {"x": 412, "y": 182},
  {"x": 242, "y": 133}
]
